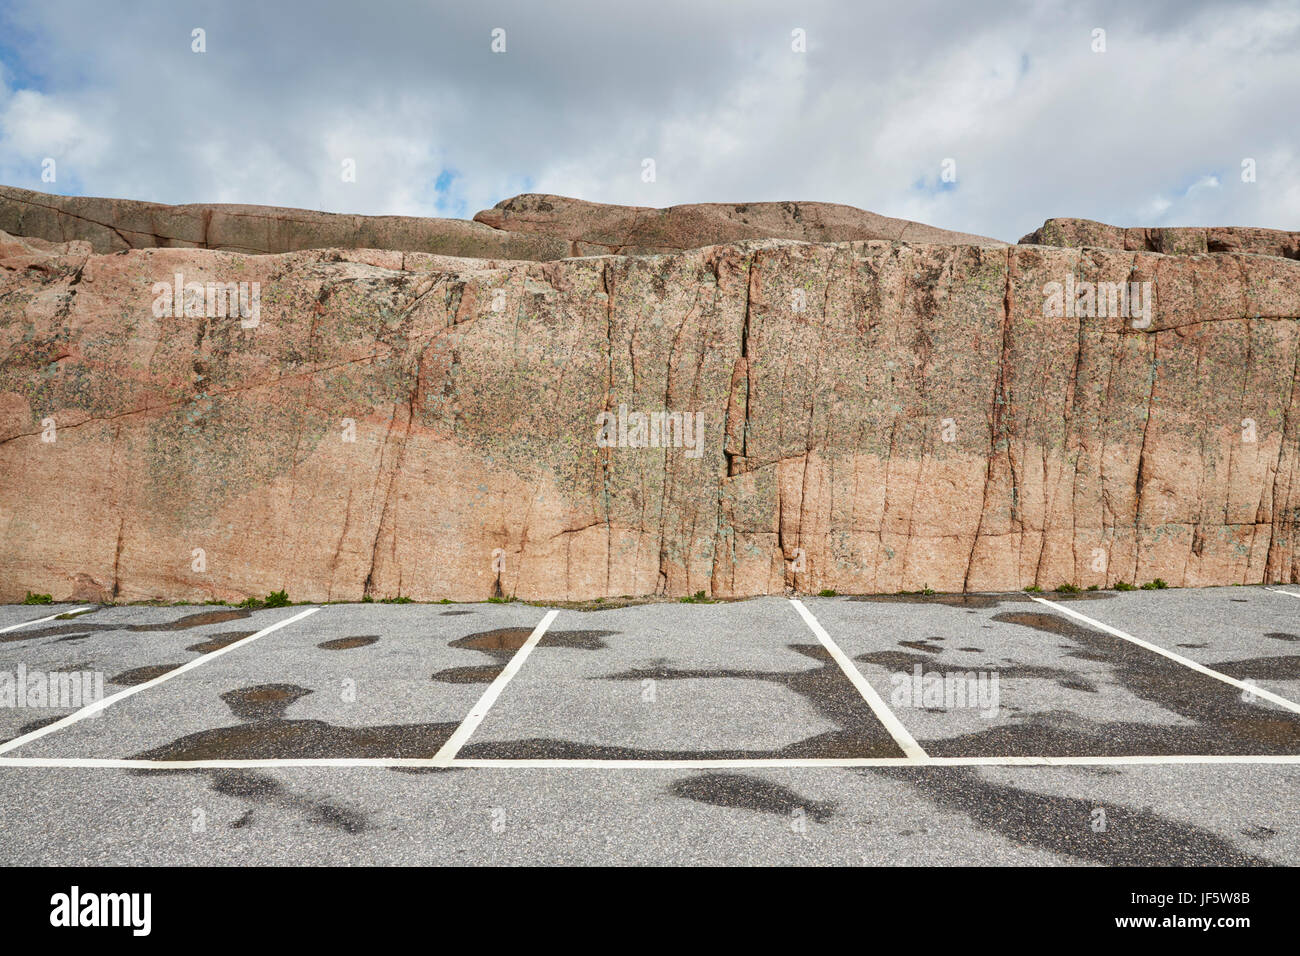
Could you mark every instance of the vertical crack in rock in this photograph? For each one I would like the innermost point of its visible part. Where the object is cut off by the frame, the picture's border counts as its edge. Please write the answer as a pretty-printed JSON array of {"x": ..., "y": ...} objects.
[
  {"x": 607, "y": 463},
  {"x": 1272, "y": 560},
  {"x": 1140, "y": 482},
  {"x": 998, "y": 403},
  {"x": 414, "y": 396}
]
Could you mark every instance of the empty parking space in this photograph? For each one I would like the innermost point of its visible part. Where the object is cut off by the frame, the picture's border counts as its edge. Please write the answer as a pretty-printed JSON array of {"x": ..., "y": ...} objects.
[
  {"x": 1004, "y": 675},
  {"x": 66, "y": 660},
  {"x": 663, "y": 682}
]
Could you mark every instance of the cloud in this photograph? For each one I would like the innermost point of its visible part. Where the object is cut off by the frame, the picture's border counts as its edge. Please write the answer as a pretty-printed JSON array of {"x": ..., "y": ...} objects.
[{"x": 1038, "y": 125}]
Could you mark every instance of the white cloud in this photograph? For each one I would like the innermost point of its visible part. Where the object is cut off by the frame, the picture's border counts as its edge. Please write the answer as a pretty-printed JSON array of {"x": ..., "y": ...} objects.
[{"x": 1038, "y": 124}]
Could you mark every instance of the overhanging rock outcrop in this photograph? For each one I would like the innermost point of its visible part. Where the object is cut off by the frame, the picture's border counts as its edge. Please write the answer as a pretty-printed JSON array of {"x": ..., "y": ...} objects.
[{"x": 874, "y": 416}]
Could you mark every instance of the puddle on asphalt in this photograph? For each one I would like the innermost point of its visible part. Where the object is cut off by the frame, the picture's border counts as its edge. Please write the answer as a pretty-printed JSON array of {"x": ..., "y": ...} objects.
[
  {"x": 503, "y": 640},
  {"x": 1062, "y": 825},
  {"x": 201, "y": 619},
  {"x": 348, "y": 643},
  {"x": 139, "y": 675},
  {"x": 1282, "y": 636},
  {"x": 263, "y": 701},
  {"x": 482, "y": 674},
  {"x": 502, "y": 643},
  {"x": 507, "y": 640},
  {"x": 743, "y": 792},
  {"x": 825, "y": 687},
  {"x": 217, "y": 641}
]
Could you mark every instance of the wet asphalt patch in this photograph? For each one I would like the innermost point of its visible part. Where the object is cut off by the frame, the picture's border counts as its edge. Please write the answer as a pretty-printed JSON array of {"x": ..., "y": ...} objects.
[
  {"x": 270, "y": 796},
  {"x": 266, "y": 733},
  {"x": 1070, "y": 826},
  {"x": 85, "y": 628},
  {"x": 744, "y": 792},
  {"x": 141, "y": 675},
  {"x": 503, "y": 643},
  {"x": 348, "y": 643}
]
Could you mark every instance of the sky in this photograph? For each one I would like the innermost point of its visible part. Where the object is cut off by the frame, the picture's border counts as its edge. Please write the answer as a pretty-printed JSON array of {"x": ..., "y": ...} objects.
[{"x": 981, "y": 116}]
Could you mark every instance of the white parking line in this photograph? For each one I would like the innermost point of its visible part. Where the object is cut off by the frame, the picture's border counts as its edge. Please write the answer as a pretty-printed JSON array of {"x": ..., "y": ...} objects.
[
  {"x": 110, "y": 700},
  {"x": 41, "y": 620},
  {"x": 1185, "y": 661},
  {"x": 1280, "y": 591},
  {"x": 874, "y": 700},
  {"x": 757, "y": 763},
  {"x": 457, "y": 740}
]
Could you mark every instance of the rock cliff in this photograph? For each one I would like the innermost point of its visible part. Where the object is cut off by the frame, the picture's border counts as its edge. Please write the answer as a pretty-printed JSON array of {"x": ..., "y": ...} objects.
[{"x": 739, "y": 413}]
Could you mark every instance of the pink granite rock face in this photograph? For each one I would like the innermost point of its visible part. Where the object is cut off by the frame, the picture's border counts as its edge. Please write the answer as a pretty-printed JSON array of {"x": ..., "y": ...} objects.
[
  {"x": 597, "y": 228},
  {"x": 1169, "y": 240},
  {"x": 874, "y": 416}
]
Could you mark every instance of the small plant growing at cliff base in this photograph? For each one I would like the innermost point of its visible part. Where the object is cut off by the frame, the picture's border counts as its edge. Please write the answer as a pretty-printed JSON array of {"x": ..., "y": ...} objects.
[
  {"x": 827, "y": 592},
  {"x": 1034, "y": 589},
  {"x": 1067, "y": 589},
  {"x": 1157, "y": 585},
  {"x": 697, "y": 598},
  {"x": 1123, "y": 586},
  {"x": 37, "y": 599},
  {"x": 274, "y": 599}
]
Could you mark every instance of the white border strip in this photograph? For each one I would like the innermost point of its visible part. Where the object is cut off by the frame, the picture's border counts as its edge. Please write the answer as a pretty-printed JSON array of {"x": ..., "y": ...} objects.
[
  {"x": 1253, "y": 689},
  {"x": 470, "y": 724},
  {"x": 758, "y": 763},
  {"x": 874, "y": 700},
  {"x": 42, "y": 620},
  {"x": 106, "y": 702},
  {"x": 1280, "y": 591}
]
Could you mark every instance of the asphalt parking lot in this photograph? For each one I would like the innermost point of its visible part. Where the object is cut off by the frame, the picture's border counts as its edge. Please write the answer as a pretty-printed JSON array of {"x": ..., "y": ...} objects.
[{"x": 1143, "y": 728}]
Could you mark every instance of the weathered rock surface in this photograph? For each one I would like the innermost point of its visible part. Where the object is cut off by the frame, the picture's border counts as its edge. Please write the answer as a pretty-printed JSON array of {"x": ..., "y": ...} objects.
[
  {"x": 877, "y": 416},
  {"x": 597, "y": 228},
  {"x": 533, "y": 227},
  {"x": 1170, "y": 240},
  {"x": 112, "y": 225}
]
